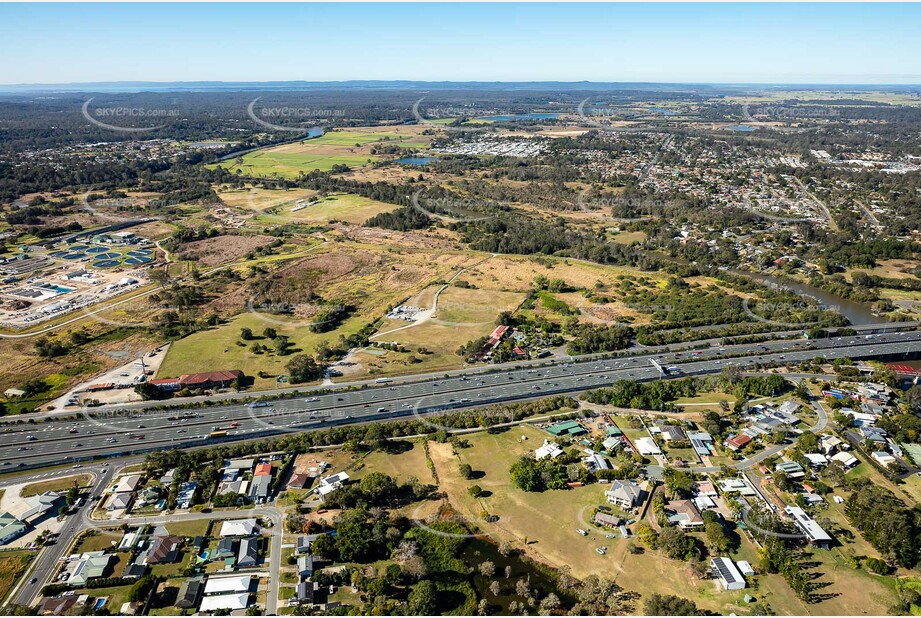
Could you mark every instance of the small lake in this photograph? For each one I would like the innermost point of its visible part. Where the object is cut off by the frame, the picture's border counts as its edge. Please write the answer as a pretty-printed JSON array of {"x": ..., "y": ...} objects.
[
  {"x": 662, "y": 111},
  {"x": 417, "y": 160},
  {"x": 511, "y": 117},
  {"x": 856, "y": 313},
  {"x": 740, "y": 127}
]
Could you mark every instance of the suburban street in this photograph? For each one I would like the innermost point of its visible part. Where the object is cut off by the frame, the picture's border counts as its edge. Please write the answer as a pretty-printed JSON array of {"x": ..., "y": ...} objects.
[{"x": 48, "y": 557}]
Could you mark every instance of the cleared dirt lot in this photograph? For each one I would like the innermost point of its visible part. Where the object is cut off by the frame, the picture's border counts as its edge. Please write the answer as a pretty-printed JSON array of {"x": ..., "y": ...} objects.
[{"x": 221, "y": 249}]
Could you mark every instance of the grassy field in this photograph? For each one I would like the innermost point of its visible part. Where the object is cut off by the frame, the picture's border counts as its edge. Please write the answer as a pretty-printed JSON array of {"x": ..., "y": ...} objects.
[
  {"x": 350, "y": 147},
  {"x": 345, "y": 207},
  {"x": 369, "y": 279},
  {"x": 546, "y": 522},
  {"x": 190, "y": 528},
  {"x": 462, "y": 315},
  {"x": 257, "y": 198},
  {"x": 58, "y": 484},
  {"x": 400, "y": 464},
  {"x": 12, "y": 566}
]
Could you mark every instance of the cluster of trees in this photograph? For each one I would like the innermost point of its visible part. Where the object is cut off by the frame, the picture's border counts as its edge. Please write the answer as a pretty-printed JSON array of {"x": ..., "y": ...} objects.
[
  {"x": 529, "y": 474},
  {"x": 589, "y": 338},
  {"x": 402, "y": 219},
  {"x": 885, "y": 522},
  {"x": 377, "y": 489},
  {"x": 656, "y": 395},
  {"x": 305, "y": 368}
]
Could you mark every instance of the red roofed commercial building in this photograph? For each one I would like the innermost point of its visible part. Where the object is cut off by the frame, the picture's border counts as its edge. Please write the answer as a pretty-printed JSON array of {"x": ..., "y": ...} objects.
[
  {"x": 209, "y": 379},
  {"x": 498, "y": 335},
  {"x": 263, "y": 469}
]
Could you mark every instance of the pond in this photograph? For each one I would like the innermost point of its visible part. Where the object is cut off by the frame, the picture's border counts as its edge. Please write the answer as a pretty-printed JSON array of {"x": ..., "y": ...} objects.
[
  {"x": 417, "y": 160},
  {"x": 740, "y": 127}
]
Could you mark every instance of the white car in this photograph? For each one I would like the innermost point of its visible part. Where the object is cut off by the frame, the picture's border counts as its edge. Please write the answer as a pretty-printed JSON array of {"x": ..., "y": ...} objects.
[{"x": 581, "y": 531}]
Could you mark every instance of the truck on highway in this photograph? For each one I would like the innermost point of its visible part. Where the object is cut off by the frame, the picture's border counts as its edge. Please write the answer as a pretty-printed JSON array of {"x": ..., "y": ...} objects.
[
  {"x": 382, "y": 380},
  {"x": 221, "y": 433}
]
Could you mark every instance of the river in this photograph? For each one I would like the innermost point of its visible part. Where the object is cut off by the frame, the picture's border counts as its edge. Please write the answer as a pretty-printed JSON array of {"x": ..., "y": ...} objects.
[{"x": 857, "y": 313}]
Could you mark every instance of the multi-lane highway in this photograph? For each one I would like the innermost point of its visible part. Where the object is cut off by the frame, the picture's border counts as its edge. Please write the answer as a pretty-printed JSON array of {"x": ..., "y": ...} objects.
[{"x": 110, "y": 432}]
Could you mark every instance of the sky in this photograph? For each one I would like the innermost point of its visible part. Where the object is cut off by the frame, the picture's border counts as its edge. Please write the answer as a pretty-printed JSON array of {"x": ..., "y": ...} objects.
[{"x": 658, "y": 42}]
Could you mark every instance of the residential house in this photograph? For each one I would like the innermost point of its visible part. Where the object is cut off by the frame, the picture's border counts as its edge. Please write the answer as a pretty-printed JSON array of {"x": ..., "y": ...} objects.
[
  {"x": 90, "y": 565},
  {"x": 226, "y": 585},
  {"x": 816, "y": 460},
  {"x": 736, "y": 486},
  {"x": 127, "y": 483},
  {"x": 737, "y": 442},
  {"x": 594, "y": 462},
  {"x": 331, "y": 483},
  {"x": 684, "y": 514},
  {"x": 304, "y": 543},
  {"x": 167, "y": 479},
  {"x": 701, "y": 442},
  {"x": 226, "y": 548},
  {"x": 305, "y": 593},
  {"x": 704, "y": 488},
  {"x": 647, "y": 446},
  {"x": 248, "y": 554},
  {"x": 260, "y": 489},
  {"x": 164, "y": 550},
  {"x": 119, "y": 502},
  {"x": 809, "y": 527},
  {"x": 845, "y": 459},
  {"x": 883, "y": 458},
  {"x": 549, "y": 449},
  {"x": 829, "y": 443},
  {"x": 226, "y": 603},
  {"x": 673, "y": 433},
  {"x": 298, "y": 480},
  {"x": 239, "y": 527},
  {"x": 792, "y": 469},
  {"x": 608, "y": 521},
  {"x": 58, "y": 606},
  {"x": 625, "y": 494},
  {"x": 190, "y": 593},
  {"x": 306, "y": 565},
  {"x": 136, "y": 569},
  {"x": 241, "y": 465},
  {"x": 186, "y": 495}
]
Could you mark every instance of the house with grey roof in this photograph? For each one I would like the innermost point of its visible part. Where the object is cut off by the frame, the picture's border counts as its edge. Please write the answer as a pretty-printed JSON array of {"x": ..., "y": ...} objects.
[
  {"x": 625, "y": 494},
  {"x": 248, "y": 554}
]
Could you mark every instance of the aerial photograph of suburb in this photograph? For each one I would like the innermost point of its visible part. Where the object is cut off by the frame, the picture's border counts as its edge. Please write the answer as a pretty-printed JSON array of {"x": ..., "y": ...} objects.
[{"x": 460, "y": 309}]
